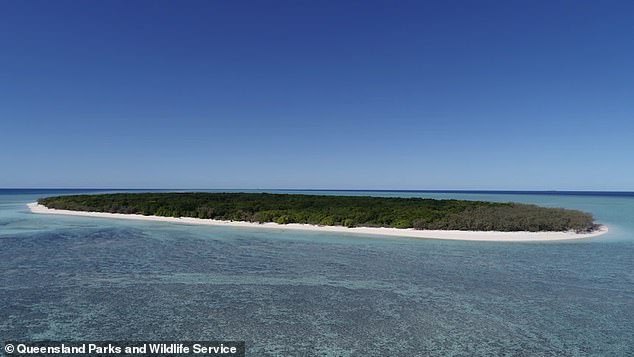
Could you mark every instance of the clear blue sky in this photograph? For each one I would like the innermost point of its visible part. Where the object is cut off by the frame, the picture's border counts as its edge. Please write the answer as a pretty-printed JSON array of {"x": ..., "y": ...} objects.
[{"x": 317, "y": 94}]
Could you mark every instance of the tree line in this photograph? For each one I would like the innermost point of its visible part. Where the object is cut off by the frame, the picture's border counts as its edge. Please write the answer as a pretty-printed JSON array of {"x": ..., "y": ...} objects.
[{"x": 349, "y": 211}]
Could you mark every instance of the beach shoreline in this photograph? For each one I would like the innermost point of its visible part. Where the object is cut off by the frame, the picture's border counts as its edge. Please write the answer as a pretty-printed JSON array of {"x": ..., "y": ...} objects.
[{"x": 491, "y": 236}]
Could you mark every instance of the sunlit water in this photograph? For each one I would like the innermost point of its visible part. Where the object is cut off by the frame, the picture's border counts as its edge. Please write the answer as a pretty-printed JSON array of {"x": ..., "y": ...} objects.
[{"x": 303, "y": 293}]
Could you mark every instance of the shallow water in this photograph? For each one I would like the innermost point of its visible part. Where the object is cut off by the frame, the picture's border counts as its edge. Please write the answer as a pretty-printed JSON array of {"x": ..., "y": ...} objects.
[{"x": 307, "y": 293}]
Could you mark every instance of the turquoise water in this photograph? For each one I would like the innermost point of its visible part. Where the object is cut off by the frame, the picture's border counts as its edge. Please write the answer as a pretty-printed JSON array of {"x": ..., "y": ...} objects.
[{"x": 306, "y": 293}]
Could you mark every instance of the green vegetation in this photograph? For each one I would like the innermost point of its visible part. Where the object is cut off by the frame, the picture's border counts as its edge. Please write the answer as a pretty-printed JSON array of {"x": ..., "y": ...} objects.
[{"x": 349, "y": 211}]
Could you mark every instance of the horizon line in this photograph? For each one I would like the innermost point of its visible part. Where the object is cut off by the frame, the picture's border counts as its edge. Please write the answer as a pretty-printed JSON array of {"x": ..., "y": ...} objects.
[{"x": 324, "y": 189}]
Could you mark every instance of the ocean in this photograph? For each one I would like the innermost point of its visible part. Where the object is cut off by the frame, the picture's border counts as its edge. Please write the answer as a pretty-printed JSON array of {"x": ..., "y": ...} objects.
[{"x": 311, "y": 293}]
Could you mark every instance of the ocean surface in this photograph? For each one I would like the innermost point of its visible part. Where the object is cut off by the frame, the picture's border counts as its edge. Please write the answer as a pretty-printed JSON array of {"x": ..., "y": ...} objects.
[{"x": 324, "y": 294}]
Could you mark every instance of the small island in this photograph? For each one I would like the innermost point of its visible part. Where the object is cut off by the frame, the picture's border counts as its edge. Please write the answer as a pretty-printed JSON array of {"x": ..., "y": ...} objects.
[{"x": 414, "y": 217}]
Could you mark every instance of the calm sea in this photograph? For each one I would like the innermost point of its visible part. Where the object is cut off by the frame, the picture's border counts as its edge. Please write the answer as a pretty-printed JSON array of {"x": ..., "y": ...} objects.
[{"x": 306, "y": 293}]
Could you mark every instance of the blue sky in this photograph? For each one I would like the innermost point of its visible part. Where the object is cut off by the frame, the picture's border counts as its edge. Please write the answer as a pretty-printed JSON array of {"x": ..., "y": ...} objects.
[{"x": 317, "y": 94}]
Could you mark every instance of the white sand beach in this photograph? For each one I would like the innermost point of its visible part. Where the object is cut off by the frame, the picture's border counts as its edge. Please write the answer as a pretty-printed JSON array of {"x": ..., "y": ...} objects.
[{"x": 492, "y": 236}]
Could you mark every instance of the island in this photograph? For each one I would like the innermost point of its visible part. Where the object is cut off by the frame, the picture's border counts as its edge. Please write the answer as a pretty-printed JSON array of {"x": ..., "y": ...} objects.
[{"x": 396, "y": 216}]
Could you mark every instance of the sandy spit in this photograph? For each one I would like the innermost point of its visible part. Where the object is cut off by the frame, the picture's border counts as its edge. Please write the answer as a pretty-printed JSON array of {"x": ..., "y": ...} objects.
[{"x": 492, "y": 236}]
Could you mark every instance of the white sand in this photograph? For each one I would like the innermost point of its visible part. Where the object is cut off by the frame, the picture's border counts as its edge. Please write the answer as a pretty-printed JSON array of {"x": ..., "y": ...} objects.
[{"x": 412, "y": 233}]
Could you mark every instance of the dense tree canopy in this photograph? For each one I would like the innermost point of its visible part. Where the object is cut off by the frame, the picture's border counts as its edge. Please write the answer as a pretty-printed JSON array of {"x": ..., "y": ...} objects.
[{"x": 350, "y": 211}]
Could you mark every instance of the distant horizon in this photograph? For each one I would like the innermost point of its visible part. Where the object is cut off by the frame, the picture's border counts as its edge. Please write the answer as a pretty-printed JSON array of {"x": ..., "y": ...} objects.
[{"x": 320, "y": 189}]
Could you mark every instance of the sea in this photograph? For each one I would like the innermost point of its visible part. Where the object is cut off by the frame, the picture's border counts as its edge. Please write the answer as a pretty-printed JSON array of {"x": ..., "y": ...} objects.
[{"x": 291, "y": 293}]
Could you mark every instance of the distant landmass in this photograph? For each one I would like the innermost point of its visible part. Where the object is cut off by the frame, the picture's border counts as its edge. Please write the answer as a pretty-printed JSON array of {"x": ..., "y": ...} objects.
[{"x": 347, "y": 211}]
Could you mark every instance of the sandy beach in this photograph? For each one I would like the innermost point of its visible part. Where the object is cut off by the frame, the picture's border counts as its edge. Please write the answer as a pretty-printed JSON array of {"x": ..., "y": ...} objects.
[{"x": 493, "y": 236}]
